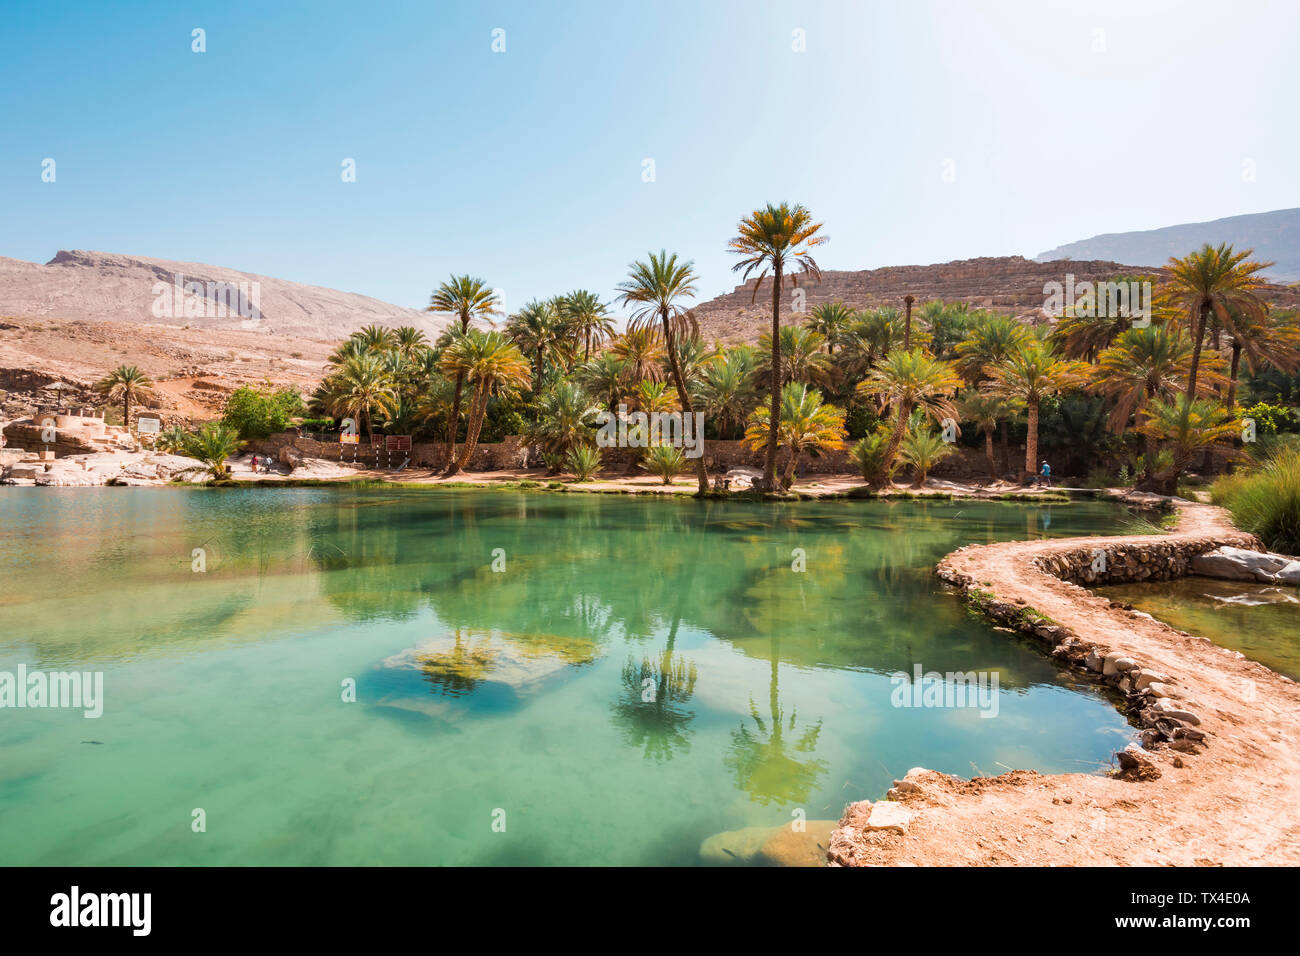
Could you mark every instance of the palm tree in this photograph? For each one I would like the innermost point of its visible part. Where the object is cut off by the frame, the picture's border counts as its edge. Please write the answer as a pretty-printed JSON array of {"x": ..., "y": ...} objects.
[
  {"x": 1188, "y": 428},
  {"x": 468, "y": 299},
  {"x": 409, "y": 342},
  {"x": 802, "y": 358},
  {"x": 125, "y": 384},
  {"x": 1273, "y": 341},
  {"x": 641, "y": 350},
  {"x": 829, "y": 320},
  {"x": 1143, "y": 365},
  {"x": 651, "y": 397},
  {"x": 604, "y": 376},
  {"x": 727, "y": 389},
  {"x": 1083, "y": 333},
  {"x": 495, "y": 366},
  {"x": 655, "y": 289},
  {"x": 923, "y": 448},
  {"x": 538, "y": 331},
  {"x": 990, "y": 341},
  {"x": 776, "y": 239},
  {"x": 805, "y": 425},
  {"x": 563, "y": 414},
  {"x": 908, "y": 380},
  {"x": 986, "y": 410},
  {"x": 587, "y": 318},
  {"x": 212, "y": 445},
  {"x": 907, "y": 321},
  {"x": 1029, "y": 375},
  {"x": 1218, "y": 280},
  {"x": 362, "y": 386},
  {"x": 373, "y": 338}
]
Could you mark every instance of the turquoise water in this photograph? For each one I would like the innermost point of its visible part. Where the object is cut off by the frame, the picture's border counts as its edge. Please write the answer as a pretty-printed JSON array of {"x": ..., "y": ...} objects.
[{"x": 483, "y": 696}]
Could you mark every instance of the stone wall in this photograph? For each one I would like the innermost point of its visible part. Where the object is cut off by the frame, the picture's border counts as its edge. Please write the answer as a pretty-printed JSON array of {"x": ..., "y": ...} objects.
[
  {"x": 1125, "y": 563},
  {"x": 719, "y": 456}
]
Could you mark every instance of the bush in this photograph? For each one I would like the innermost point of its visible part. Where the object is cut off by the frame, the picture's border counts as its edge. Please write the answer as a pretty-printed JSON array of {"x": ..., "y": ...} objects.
[
  {"x": 257, "y": 412},
  {"x": 1271, "y": 419},
  {"x": 869, "y": 454},
  {"x": 665, "y": 461},
  {"x": 1266, "y": 502},
  {"x": 584, "y": 462}
]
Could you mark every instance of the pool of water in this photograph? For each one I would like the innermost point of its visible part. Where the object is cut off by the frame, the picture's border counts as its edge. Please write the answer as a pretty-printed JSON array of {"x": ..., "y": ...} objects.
[
  {"x": 1259, "y": 620},
  {"x": 538, "y": 678}
]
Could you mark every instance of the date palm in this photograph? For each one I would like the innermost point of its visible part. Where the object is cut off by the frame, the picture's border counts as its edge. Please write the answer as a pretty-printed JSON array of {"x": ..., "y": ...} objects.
[
  {"x": 986, "y": 411},
  {"x": 361, "y": 386},
  {"x": 213, "y": 444},
  {"x": 587, "y": 319},
  {"x": 656, "y": 289},
  {"x": 1187, "y": 429},
  {"x": 641, "y": 350},
  {"x": 1273, "y": 340},
  {"x": 777, "y": 239},
  {"x": 1144, "y": 365},
  {"x": 468, "y": 299},
  {"x": 830, "y": 320},
  {"x": 494, "y": 366},
  {"x": 727, "y": 389},
  {"x": 1217, "y": 280},
  {"x": 806, "y": 424},
  {"x": 802, "y": 358},
  {"x": 564, "y": 413},
  {"x": 989, "y": 342},
  {"x": 538, "y": 330},
  {"x": 125, "y": 384},
  {"x": 409, "y": 342},
  {"x": 905, "y": 381},
  {"x": 604, "y": 376},
  {"x": 1029, "y": 375}
]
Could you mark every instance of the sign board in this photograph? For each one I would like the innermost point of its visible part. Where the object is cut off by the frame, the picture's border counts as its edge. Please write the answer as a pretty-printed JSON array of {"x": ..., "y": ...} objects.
[
  {"x": 349, "y": 438},
  {"x": 148, "y": 425},
  {"x": 397, "y": 442}
]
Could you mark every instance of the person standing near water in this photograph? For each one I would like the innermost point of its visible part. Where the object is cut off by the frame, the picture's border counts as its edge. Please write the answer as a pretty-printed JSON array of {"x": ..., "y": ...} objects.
[{"x": 1045, "y": 474}]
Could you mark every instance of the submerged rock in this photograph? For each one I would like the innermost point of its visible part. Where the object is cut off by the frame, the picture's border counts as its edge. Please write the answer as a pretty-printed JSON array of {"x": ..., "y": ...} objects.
[
  {"x": 460, "y": 662},
  {"x": 770, "y": 846}
]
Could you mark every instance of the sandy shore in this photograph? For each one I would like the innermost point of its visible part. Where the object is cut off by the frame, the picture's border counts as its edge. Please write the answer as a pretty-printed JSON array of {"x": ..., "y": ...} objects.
[{"x": 1228, "y": 801}]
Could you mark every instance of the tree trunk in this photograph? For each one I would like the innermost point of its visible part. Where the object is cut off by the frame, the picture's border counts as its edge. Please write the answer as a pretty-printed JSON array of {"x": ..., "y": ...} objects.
[
  {"x": 790, "y": 468},
  {"x": 1198, "y": 333},
  {"x": 907, "y": 322},
  {"x": 769, "y": 465},
  {"x": 895, "y": 439},
  {"x": 478, "y": 408},
  {"x": 1031, "y": 439},
  {"x": 1236, "y": 364},
  {"x": 988, "y": 453},
  {"x": 1005, "y": 438},
  {"x": 684, "y": 399},
  {"x": 454, "y": 425}
]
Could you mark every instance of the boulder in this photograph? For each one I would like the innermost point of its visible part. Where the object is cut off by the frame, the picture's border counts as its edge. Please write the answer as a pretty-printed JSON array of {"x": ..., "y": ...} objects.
[
  {"x": 734, "y": 847},
  {"x": 1237, "y": 564}
]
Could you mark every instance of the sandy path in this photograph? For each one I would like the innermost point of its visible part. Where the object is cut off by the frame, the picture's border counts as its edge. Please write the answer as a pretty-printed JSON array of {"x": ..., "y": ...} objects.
[{"x": 1232, "y": 802}]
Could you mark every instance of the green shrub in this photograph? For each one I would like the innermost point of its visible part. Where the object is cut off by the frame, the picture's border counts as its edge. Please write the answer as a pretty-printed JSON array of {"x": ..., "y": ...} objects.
[
  {"x": 664, "y": 461},
  {"x": 1266, "y": 502},
  {"x": 584, "y": 462},
  {"x": 257, "y": 412},
  {"x": 869, "y": 454},
  {"x": 1271, "y": 419}
]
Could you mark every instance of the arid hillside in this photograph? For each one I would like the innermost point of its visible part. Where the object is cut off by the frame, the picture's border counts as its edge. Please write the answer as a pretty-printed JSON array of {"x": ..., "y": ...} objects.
[
  {"x": 1010, "y": 284},
  {"x": 198, "y": 331}
]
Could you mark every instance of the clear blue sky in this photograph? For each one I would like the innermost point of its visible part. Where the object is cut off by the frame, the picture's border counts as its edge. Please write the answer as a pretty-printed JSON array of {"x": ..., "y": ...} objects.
[{"x": 525, "y": 167}]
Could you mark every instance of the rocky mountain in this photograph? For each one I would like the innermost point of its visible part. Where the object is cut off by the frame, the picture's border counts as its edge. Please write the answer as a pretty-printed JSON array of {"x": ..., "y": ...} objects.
[
  {"x": 100, "y": 286},
  {"x": 1275, "y": 237},
  {"x": 1009, "y": 284}
]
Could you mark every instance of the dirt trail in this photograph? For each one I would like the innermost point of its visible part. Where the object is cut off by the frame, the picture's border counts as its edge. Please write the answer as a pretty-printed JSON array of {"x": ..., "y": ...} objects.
[{"x": 1231, "y": 802}]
